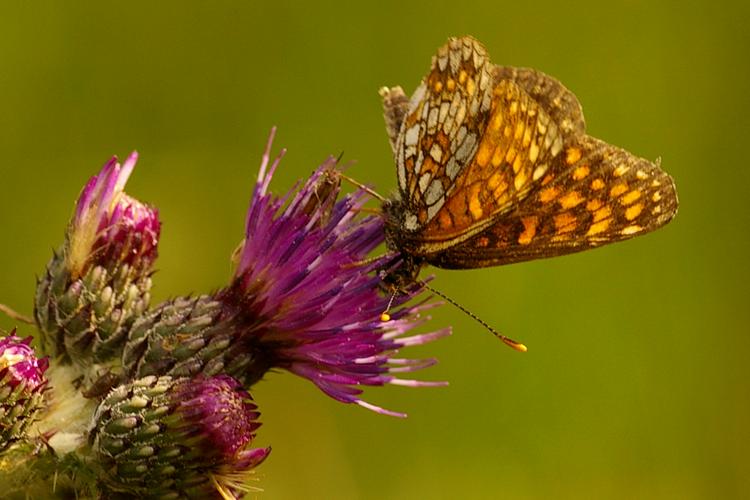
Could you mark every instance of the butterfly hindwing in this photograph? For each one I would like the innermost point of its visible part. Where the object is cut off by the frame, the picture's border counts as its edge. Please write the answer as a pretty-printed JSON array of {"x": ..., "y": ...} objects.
[
  {"x": 559, "y": 102},
  {"x": 596, "y": 194}
]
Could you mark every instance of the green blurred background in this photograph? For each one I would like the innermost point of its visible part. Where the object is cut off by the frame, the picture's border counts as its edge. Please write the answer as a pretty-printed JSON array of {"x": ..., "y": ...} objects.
[{"x": 636, "y": 381}]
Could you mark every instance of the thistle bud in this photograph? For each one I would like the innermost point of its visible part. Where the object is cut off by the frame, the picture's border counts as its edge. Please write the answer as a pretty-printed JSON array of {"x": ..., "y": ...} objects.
[
  {"x": 99, "y": 282},
  {"x": 22, "y": 385},
  {"x": 164, "y": 437}
]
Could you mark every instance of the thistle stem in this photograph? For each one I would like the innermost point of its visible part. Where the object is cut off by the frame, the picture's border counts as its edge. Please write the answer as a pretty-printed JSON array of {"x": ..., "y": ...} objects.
[{"x": 15, "y": 315}]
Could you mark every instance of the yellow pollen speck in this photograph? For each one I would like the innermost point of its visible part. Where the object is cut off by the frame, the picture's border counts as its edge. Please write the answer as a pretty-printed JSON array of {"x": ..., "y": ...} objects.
[
  {"x": 655, "y": 183},
  {"x": 565, "y": 222},
  {"x": 618, "y": 189},
  {"x": 633, "y": 211},
  {"x": 548, "y": 194},
  {"x": 450, "y": 84},
  {"x": 462, "y": 76},
  {"x": 631, "y": 229},
  {"x": 621, "y": 169},
  {"x": 656, "y": 210},
  {"x": 656, "y": 196},
  {"x": 580, "y": 172},
  {"x": 598, "y": 227},
  {"x": 438, "y": 86},
  {"x": 484, "y": 153},
  {"x": 533, "y": 152},
  {"x": 570, "y": 200},
  {"x": 597, "y": 184},
  {"x": 529, "y": 229},
  {"x": 593, "y": 205},
  {"x": 602, "y": 213},
  {"x": 572, "y": 155},
  {"x": 641, "y": 175}
]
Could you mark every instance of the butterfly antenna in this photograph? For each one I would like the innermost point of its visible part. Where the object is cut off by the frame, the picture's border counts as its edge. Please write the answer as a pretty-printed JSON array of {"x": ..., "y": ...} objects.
[
  {"x": 384, "y": 315},
  {"x": 508, "y": 341},
  {"x": 361, "y": 186}
]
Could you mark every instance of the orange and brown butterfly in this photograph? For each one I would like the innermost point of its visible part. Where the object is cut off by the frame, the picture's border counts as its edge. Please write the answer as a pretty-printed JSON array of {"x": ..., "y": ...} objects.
[{"x": 494, "y": 166}]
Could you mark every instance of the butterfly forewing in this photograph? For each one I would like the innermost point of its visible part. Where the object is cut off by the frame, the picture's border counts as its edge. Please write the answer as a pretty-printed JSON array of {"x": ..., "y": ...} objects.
[
  {"x": 518, "y": 145},
  {"x": 442, "y": 128}
]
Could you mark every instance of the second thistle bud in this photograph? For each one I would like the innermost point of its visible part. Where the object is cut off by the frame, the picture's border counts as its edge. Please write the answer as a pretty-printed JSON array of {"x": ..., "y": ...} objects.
[
  {"x": 164, "y": 437},
  {"x": 99, "y": 282},
  {"x": 22, "y": 385}
]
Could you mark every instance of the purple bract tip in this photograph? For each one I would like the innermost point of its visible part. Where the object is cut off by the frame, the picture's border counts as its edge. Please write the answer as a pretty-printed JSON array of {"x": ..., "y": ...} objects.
[{"x": 110, "y": 227}]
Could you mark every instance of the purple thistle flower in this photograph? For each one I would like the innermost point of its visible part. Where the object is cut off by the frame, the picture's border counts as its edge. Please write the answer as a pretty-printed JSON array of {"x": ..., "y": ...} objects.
[
  {"x": 22, "y": 386},
  {"x": 99, "y": 282},
  {"x": 109, "y": 226},
  {"x": 19, "y": 364},
  {"x": 304, "y": 297},
  {"x": 177, "y": 438}
]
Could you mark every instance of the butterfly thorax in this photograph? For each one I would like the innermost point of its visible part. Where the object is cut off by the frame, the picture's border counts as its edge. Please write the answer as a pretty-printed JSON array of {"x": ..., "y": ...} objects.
[
  {"x": 404, "y": 269},
  {"x": 399, "y": 233}
]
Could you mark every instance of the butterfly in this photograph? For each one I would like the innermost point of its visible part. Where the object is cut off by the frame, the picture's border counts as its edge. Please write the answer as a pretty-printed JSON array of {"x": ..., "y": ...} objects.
[{"x": 494, "y": 167}]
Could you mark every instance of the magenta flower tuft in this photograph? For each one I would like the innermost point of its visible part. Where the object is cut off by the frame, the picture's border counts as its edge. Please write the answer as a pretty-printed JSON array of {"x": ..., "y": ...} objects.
[
  {"x": 99, "y": 282},
  {"x": 110, "y": 227},
  {"x": 22, "y": 386},
  {"x": 305, "y": 297},
  {"x": 315, "y": 297}
]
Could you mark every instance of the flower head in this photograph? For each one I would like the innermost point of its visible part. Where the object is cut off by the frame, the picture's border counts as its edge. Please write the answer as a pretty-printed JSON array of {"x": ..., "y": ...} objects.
[
  {"x": 304, "y": 297},
  {"x": 96, "y": 285},
  {"x": 109, "y": 227},
  {"x": 164, "y": 437},
  {"x": 22, "y": 384}
]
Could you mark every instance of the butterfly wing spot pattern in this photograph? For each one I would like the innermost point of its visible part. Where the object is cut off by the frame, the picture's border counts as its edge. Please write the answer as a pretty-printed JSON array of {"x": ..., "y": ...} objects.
[{"x": 494, "y": 167}]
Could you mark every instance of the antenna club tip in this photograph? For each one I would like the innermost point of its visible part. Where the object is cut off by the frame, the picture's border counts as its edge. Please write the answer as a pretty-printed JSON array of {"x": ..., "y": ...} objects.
[
  {"x": 385, "y": 317},
  {"x": 515, "y": 345}
]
